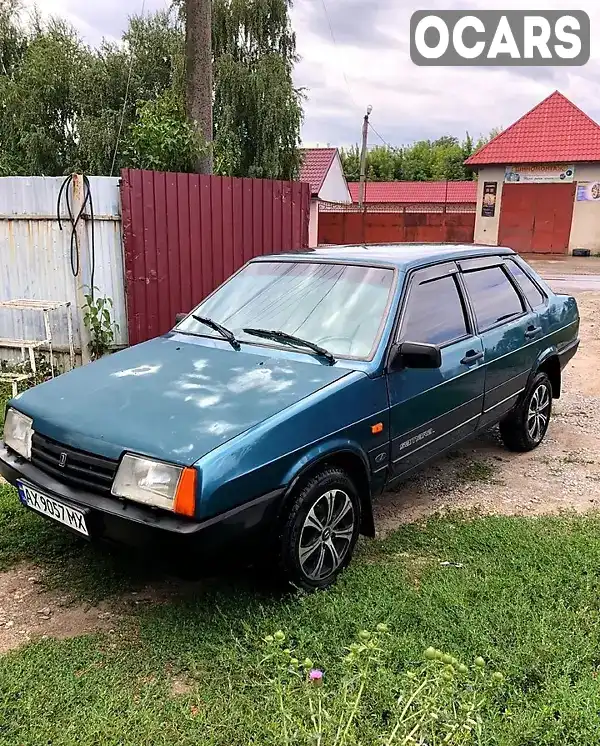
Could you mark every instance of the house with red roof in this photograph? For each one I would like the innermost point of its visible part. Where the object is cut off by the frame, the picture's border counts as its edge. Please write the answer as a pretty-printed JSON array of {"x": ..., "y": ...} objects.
[
  {"x": 401, "y": 212},
  {"x": 322, "y": 169},
  {"x": 538, "y": 187},
  {"x": 389, "y": 196}
]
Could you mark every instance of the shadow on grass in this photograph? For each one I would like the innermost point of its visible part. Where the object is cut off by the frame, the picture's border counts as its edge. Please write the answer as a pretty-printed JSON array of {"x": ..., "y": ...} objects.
[{"x": 98, "y": 571}]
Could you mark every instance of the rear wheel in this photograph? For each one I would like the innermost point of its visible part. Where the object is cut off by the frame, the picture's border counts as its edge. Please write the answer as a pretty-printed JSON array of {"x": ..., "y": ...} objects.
[
  {"x": 321, "y": 530},
  {"x": 525, "y": 428}
]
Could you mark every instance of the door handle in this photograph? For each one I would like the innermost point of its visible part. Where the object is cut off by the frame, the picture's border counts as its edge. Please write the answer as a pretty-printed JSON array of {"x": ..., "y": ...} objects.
[
  {"x": 532, "y": 331},
  {"x": 471, "y": 357}
]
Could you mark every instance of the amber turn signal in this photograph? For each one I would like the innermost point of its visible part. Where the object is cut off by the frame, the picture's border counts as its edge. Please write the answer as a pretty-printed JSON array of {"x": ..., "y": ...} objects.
[
  {"x": 185, "y": 497},
  {"x": 378, "y": 428}
]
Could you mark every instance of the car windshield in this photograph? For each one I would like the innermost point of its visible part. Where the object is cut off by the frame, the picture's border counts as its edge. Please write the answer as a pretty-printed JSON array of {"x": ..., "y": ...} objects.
[{"x": 337, "y": 306}]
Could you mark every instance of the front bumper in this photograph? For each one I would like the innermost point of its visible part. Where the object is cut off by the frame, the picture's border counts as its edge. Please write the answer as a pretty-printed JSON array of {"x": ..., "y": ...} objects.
[{"x": 130, "y": 523}]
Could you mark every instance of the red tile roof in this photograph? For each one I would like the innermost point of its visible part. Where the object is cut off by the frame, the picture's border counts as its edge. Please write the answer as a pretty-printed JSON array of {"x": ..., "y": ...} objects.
[
  {"x": 316, "y": 162},
  {"x": 411, "y": 192},
  {"x": 554, "y": 131}
]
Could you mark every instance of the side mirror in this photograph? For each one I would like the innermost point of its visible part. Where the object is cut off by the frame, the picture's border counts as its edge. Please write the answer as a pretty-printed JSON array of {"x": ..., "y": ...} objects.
[
  {"x": 416, "y": 355},
  {"x": 180, "y": 317}
]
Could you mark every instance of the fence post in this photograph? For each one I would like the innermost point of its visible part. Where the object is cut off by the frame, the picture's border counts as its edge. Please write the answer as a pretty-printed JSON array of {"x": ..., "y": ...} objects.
[{"x": 84, "y": 265}]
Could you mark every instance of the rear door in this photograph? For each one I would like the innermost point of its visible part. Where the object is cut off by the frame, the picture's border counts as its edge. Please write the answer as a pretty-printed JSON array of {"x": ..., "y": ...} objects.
[
  {"x": 510, "y": 331},
  {"x": 432, "y": 409}
]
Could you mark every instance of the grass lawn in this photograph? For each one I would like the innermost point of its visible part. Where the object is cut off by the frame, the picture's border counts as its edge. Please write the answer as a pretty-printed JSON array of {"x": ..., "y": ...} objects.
[{"x": 526, "y": 598}]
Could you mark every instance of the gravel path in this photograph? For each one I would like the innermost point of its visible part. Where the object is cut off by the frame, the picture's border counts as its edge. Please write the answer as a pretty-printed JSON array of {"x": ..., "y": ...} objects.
[{"x": 562, "y": 474}]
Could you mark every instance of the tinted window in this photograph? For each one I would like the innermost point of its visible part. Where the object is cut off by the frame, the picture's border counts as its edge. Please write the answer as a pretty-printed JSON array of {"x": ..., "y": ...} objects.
[
  {"x": 493, "y": 296},
  {"x": 530, "y": 290},
  {"x": 434, "y": 313}
]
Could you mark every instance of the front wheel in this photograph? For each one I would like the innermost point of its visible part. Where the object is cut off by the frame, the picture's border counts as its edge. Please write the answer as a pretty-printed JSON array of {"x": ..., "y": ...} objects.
[
  {"x": 321, "y": 530},
  {"x": 525, "y": 428}
]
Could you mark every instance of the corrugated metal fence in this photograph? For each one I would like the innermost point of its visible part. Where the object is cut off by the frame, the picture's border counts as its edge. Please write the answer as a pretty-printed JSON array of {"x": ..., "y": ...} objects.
[
  {"x": 35, "y": 258},
  {"x": 395, "y": 227},
  {"x": 184, "y": 234}
]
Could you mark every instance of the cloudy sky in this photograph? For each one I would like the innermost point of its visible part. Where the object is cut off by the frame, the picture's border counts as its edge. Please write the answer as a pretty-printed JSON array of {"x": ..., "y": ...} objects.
[{"x": 355, "y": 53}]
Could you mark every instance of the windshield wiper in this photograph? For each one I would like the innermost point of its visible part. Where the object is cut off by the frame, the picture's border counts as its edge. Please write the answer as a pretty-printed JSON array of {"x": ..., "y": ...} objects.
[
  {"x": 290, "y": 339},
  {"x": 223, "y": 330}
]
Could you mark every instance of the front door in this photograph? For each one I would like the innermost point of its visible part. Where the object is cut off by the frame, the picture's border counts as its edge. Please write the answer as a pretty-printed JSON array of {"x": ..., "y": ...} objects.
[
  {"x": 510, "y": 331},
  {"x": 431, "y": 410}
]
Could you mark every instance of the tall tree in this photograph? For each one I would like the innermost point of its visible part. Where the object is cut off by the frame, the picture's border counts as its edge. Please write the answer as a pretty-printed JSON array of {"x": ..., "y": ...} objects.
[
  {"x": 65, "y": 106},
  {"x": 199, "y": 83},
  {"x": 257, "y": 110},
  {"x": 425, "y": 160}
]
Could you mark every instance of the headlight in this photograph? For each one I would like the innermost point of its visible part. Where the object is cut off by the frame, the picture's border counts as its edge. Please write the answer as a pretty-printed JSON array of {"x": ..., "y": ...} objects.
[
  {"x": 156, "y": 483},
  {"x": 18, "y": 432}
]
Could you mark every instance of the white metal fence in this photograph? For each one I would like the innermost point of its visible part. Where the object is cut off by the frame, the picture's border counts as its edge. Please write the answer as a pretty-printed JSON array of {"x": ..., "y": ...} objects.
[{"x": 35, "y": 255}]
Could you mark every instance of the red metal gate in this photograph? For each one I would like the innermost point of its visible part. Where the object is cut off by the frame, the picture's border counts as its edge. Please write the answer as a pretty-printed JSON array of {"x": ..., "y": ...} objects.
[
  {"x": 536, "y": 217},
  {"x": 185, "y": 234}
]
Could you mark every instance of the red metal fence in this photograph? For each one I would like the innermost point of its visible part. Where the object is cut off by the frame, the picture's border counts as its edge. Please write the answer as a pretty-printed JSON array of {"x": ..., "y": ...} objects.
[
  {"x": 185, "y": 234},
  {"x": 395, "y": 227}
]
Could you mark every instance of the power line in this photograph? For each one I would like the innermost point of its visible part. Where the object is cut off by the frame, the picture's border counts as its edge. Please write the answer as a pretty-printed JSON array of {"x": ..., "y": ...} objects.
[
  {"x": 332, "y": 34},
  {"x": 125, "y": 100},
  {"x": 385, "y": 142},
  {"x": 337, "y": 48}
]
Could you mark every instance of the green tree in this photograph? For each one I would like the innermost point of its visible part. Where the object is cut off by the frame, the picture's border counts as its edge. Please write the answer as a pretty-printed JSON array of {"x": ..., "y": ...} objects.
[
  {"x": 120, "y": 78},
  {"x": 257, "y": 111},
  {"x": 351, "y": 162},
  {"x": 161, "y": 138},
  {"x": 38, "y": 113},
  {"x": 425, "y": 160},
  {"x": 65, "y": 106}
]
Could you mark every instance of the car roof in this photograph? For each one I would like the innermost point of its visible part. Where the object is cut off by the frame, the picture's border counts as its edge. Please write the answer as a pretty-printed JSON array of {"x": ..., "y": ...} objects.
[{"x": 402, "y": 256}]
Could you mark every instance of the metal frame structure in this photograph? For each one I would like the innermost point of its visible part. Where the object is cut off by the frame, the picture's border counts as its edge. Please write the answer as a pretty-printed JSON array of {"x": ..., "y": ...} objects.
[{"x": 45, "y": 307}]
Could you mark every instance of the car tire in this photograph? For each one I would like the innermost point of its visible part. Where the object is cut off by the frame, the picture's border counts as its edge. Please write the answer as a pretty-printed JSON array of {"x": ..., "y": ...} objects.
[
  {"x": 526, "y": 426},
  {"x": 320, "y": 530}
]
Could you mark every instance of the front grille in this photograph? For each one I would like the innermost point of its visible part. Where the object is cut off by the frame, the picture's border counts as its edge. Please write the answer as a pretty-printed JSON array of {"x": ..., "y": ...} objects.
[{"x": 80, "y": 469}]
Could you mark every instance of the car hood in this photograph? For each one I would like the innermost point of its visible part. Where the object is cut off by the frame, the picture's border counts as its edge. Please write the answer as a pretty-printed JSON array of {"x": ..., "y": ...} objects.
[{"x": 172, "y": 398}]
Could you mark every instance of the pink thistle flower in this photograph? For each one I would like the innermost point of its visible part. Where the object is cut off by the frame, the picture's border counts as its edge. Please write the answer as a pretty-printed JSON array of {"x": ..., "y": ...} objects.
[{"x": 316, "y": 677}]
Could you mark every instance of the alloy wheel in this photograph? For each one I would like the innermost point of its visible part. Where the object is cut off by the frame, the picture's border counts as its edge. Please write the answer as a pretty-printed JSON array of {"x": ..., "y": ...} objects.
[
  {"x": 538, "y": 413},
  {"x": 326, "y": 534}
]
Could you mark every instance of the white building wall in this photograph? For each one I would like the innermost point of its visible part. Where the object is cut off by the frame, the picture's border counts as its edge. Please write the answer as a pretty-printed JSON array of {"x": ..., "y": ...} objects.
[
  {"x": 335, "y": 186},
  {"x": 585, "y": 226},
  {"x": 486, "y": 229}
]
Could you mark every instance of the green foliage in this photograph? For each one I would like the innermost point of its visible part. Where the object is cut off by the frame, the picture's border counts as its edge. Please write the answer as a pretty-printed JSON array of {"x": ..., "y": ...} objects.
[
  {"x": 162, "y": 139},
  {"x": 66, "y": 107},
  {"x": 64, "y": 104},
  {"x": 100, "y": 324},
  {"x": 437, "y": 702},
  {"x": 257, "y": 111},
  {"x": 527, "y": 596},
  {"x": 43, "y": 370},
  {"x": 426, "y": 160}
]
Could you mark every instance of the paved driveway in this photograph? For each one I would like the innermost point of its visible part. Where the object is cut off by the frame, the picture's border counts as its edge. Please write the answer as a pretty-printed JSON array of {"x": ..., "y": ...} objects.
[{"x": 568, "y": 274}]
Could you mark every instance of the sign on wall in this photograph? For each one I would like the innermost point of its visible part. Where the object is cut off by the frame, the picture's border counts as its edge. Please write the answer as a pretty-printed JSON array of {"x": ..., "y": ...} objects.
[
  {"x": 588, "y": 191},
  {"x": 539, "y": 174},
  {"x": 488, "y": 207}
]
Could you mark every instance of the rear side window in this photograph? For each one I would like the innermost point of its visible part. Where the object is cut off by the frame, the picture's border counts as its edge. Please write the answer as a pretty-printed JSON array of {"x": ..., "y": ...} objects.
[
  {"x": 529, "y": 288},
  {"x": 434, "y": 313},
  {"x": 493, "y": 296}
]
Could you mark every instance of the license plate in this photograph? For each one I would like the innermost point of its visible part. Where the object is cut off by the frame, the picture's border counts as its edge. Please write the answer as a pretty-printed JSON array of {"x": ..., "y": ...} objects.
[{"x": 53, "y": 508}]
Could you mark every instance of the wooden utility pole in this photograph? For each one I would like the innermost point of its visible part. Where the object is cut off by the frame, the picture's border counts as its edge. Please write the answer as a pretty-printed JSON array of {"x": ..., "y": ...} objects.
[
  {"x": 198, "y": 54},
  {"x": 363, "y": 159}
]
